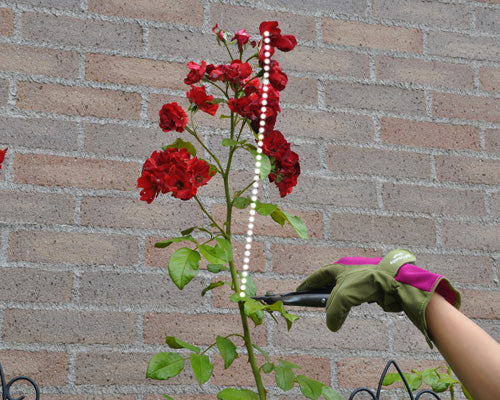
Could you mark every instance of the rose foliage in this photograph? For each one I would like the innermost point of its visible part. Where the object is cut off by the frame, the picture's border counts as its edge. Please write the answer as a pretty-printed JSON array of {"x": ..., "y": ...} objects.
[{"x": 246, "y": 93}]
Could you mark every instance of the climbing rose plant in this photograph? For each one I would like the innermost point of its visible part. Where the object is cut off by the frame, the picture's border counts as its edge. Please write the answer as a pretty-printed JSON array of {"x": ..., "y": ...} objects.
[{"x": 178, "y": 170}]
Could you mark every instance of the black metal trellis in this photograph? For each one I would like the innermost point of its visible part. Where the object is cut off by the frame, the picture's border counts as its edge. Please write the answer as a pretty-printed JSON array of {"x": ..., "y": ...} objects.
[
  {"x": 376, "y": 396},
  {"x": 6, "y": 386}
]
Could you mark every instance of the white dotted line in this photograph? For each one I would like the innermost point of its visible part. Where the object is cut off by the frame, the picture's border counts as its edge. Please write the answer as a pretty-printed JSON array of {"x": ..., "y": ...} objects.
[{"x": 256, "y": 178}]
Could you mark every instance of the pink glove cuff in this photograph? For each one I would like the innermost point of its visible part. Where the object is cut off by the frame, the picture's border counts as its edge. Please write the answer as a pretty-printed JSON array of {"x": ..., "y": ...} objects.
[{"x": 426, "y": 281}]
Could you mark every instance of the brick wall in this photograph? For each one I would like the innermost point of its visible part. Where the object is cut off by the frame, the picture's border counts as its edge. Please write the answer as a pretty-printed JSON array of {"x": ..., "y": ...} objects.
[{"x": 393, "y": 106}]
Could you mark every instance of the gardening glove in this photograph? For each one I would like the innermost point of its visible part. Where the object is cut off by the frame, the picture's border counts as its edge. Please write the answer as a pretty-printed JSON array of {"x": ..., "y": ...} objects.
[{"x": 393, "y": 282}]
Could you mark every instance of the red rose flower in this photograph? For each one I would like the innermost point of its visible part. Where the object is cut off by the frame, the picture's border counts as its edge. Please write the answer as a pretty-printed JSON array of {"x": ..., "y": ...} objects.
[
  {"x": 242, "y": 37},
  {"x": 277, "y": 78},
  {"x": 198, "y": 96},
  {"x": 196, "y": 73},
  {"x": 2, "y": 156},
  {"x": 173, "y": 117},
  {"x": 237, "y": 70},
  {"x": 173, "y": 170},
  {"x": 282, "y": 42},
  {"x": 219, "y": 33}
]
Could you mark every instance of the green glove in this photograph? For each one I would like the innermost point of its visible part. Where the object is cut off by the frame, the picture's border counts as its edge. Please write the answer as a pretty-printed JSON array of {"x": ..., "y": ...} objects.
[{"x": 393, "y": 282}]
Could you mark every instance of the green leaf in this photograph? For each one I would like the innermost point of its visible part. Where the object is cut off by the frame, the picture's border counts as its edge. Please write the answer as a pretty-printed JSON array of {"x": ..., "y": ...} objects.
[
  {"x": 165, "y": 243},
  {"x": 217, "y": 100},
  {"x": 216, "y": 268},
  {"x": 226, "y": 245},
  {"x": 330, "y": 394},
  {"x": 285, "y": 378},
  {"x": 432, "y": 379},
  {"x": 288, "y": 364},
  {"x": 202, "y": 367},
  {"x": 252, "y": 306},
  {"x": 181, "y": 144},
  {"x": 164, "y": 366},
  {"x": 241, "y": 202},
  {"x": 231, "y": 142},
  {"x": 188, "y": 231},
  {"x": 236, "y": 298},
  {"x": 309, "y": 387},
  {"x": 296, "y": 224},
  {"x": 212, "y": 255},
  {"x": 265, "y": 209},
  {"x": 265, "y": 163},
  {"x": 168, "y": 397},
  {"x": 415, "y": 381},
  {"x": 278, "y": 216},
  {"x": 227, "y": 350},
  {"x": 213, "y": 285},
  {"x": 251, "y": 287},
  {"x": 279, "y": 307},
  {"x": 389, "y": 379},
  {"x": 183, "y": 266},
  {"x": 175, "y": 343},
  {"x": 237, "y": 394},
  {"x": 268, "y": 367}
]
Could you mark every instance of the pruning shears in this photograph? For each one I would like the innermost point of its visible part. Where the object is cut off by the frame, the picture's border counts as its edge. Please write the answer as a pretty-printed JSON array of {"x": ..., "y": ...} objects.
[{"x": 305, "y": 298}]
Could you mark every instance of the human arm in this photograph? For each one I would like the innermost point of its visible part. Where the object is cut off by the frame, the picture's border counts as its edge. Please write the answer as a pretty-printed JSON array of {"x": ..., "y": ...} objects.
[{"x": 473, "y": 355}]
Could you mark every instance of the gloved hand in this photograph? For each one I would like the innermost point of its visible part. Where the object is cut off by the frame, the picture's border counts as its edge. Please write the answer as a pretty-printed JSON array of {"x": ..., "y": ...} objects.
[{"x": 393, "y": 282}]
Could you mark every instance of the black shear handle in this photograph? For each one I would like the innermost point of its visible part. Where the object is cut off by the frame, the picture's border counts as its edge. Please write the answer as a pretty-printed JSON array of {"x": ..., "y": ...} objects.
[{"x": 306, "y": 298}]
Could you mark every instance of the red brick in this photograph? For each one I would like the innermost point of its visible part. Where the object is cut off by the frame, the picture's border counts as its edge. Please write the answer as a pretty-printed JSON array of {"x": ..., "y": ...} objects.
[
  {"x": 48, "y": 208},
  {"x": 72, "y": 247},
  {"x": 39, "y": 133},
  {"x": 68, "y": 326},
  {"x": 433, "y": 200},
  {"x": 325, "y": 125},
  {"x": 464, "y": 169},
  {"x": 466, "y": 107},
  {"x": 80, "y": 32},
  {"x": 296, "y": 259},
  {"x": 160, "y": 257},
  {"x": 312, "y": 333},
  {"x": 487, "y": 20},
  {"x": 383, "y": 229},
  {"x": 195, "y": 46},
  {"x": 360, "y": 34},
  {"x": 199, "y": 329},
  {"x": 4, "y": 91},
  {"x": 464, "y": 269},
  {"x": 35, "y": 286},
  {"x": 133, "y": 213},
  {"x": 490, "y": 78},
  {"x": 104, "y": 368},
  {"x": 314, "y": 367},
  {"x": 424, "y": 72},
  {"x": 234, "y": 18},
  {"x": 123, "y": 140},
  {"x": 75, "y": 100},
  {"x": 182, "y": 397},
  {"x": 267, "y": 226},
  {"x": 135, "y": 71},
  {"x": 124, "y": 289},
  {"x": 490, "y": 1},
  {"x": 185, "y": 12},
  {"x": 407, "y": 338},
  {"x": 374, "y": 97},
  {"x": 493, "y": 140},
  {"x": 6, "y": 22},
  {"x": 366, "y": 372},
  {"x": 469, "y": 235},
  {"x": 423, "y": 12},
  {"x": 39, "y": 169},
  {"x": 483, "y": 304},
  {"x": 91, "y": 397},
  {"x": 300, "y": 91},
  {"x": 341, "y": 193},
  {"x": 45, "y": 368},
  {"x": 495, "y": 204},
  {"x": 326, "y": 61},
  {"x": 463, "y": 46},
  {"x": 356, "y": 160},
  {"x": 37, "y": 61},
  {"x": 429, "y": 134}
]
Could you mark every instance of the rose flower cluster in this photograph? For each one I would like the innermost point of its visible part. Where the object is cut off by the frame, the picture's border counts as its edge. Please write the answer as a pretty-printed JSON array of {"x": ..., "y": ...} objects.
[
  {"x": 172, "y": 170},
  {"x": 2, "y": 156}
]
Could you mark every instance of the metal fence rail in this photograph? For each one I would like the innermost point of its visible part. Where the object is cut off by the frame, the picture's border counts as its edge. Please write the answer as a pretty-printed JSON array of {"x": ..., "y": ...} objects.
[{"x": 7, "y": 385}]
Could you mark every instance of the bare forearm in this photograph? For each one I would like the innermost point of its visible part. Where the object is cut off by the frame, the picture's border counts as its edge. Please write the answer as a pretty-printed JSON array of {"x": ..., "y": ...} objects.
[{"x": 473, "y": 355}]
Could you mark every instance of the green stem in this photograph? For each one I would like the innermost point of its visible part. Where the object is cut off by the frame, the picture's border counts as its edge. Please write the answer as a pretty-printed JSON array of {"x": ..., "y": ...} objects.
[
  {"x": 193, "y": 132},
  {"x": 208, "y": 214}
]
